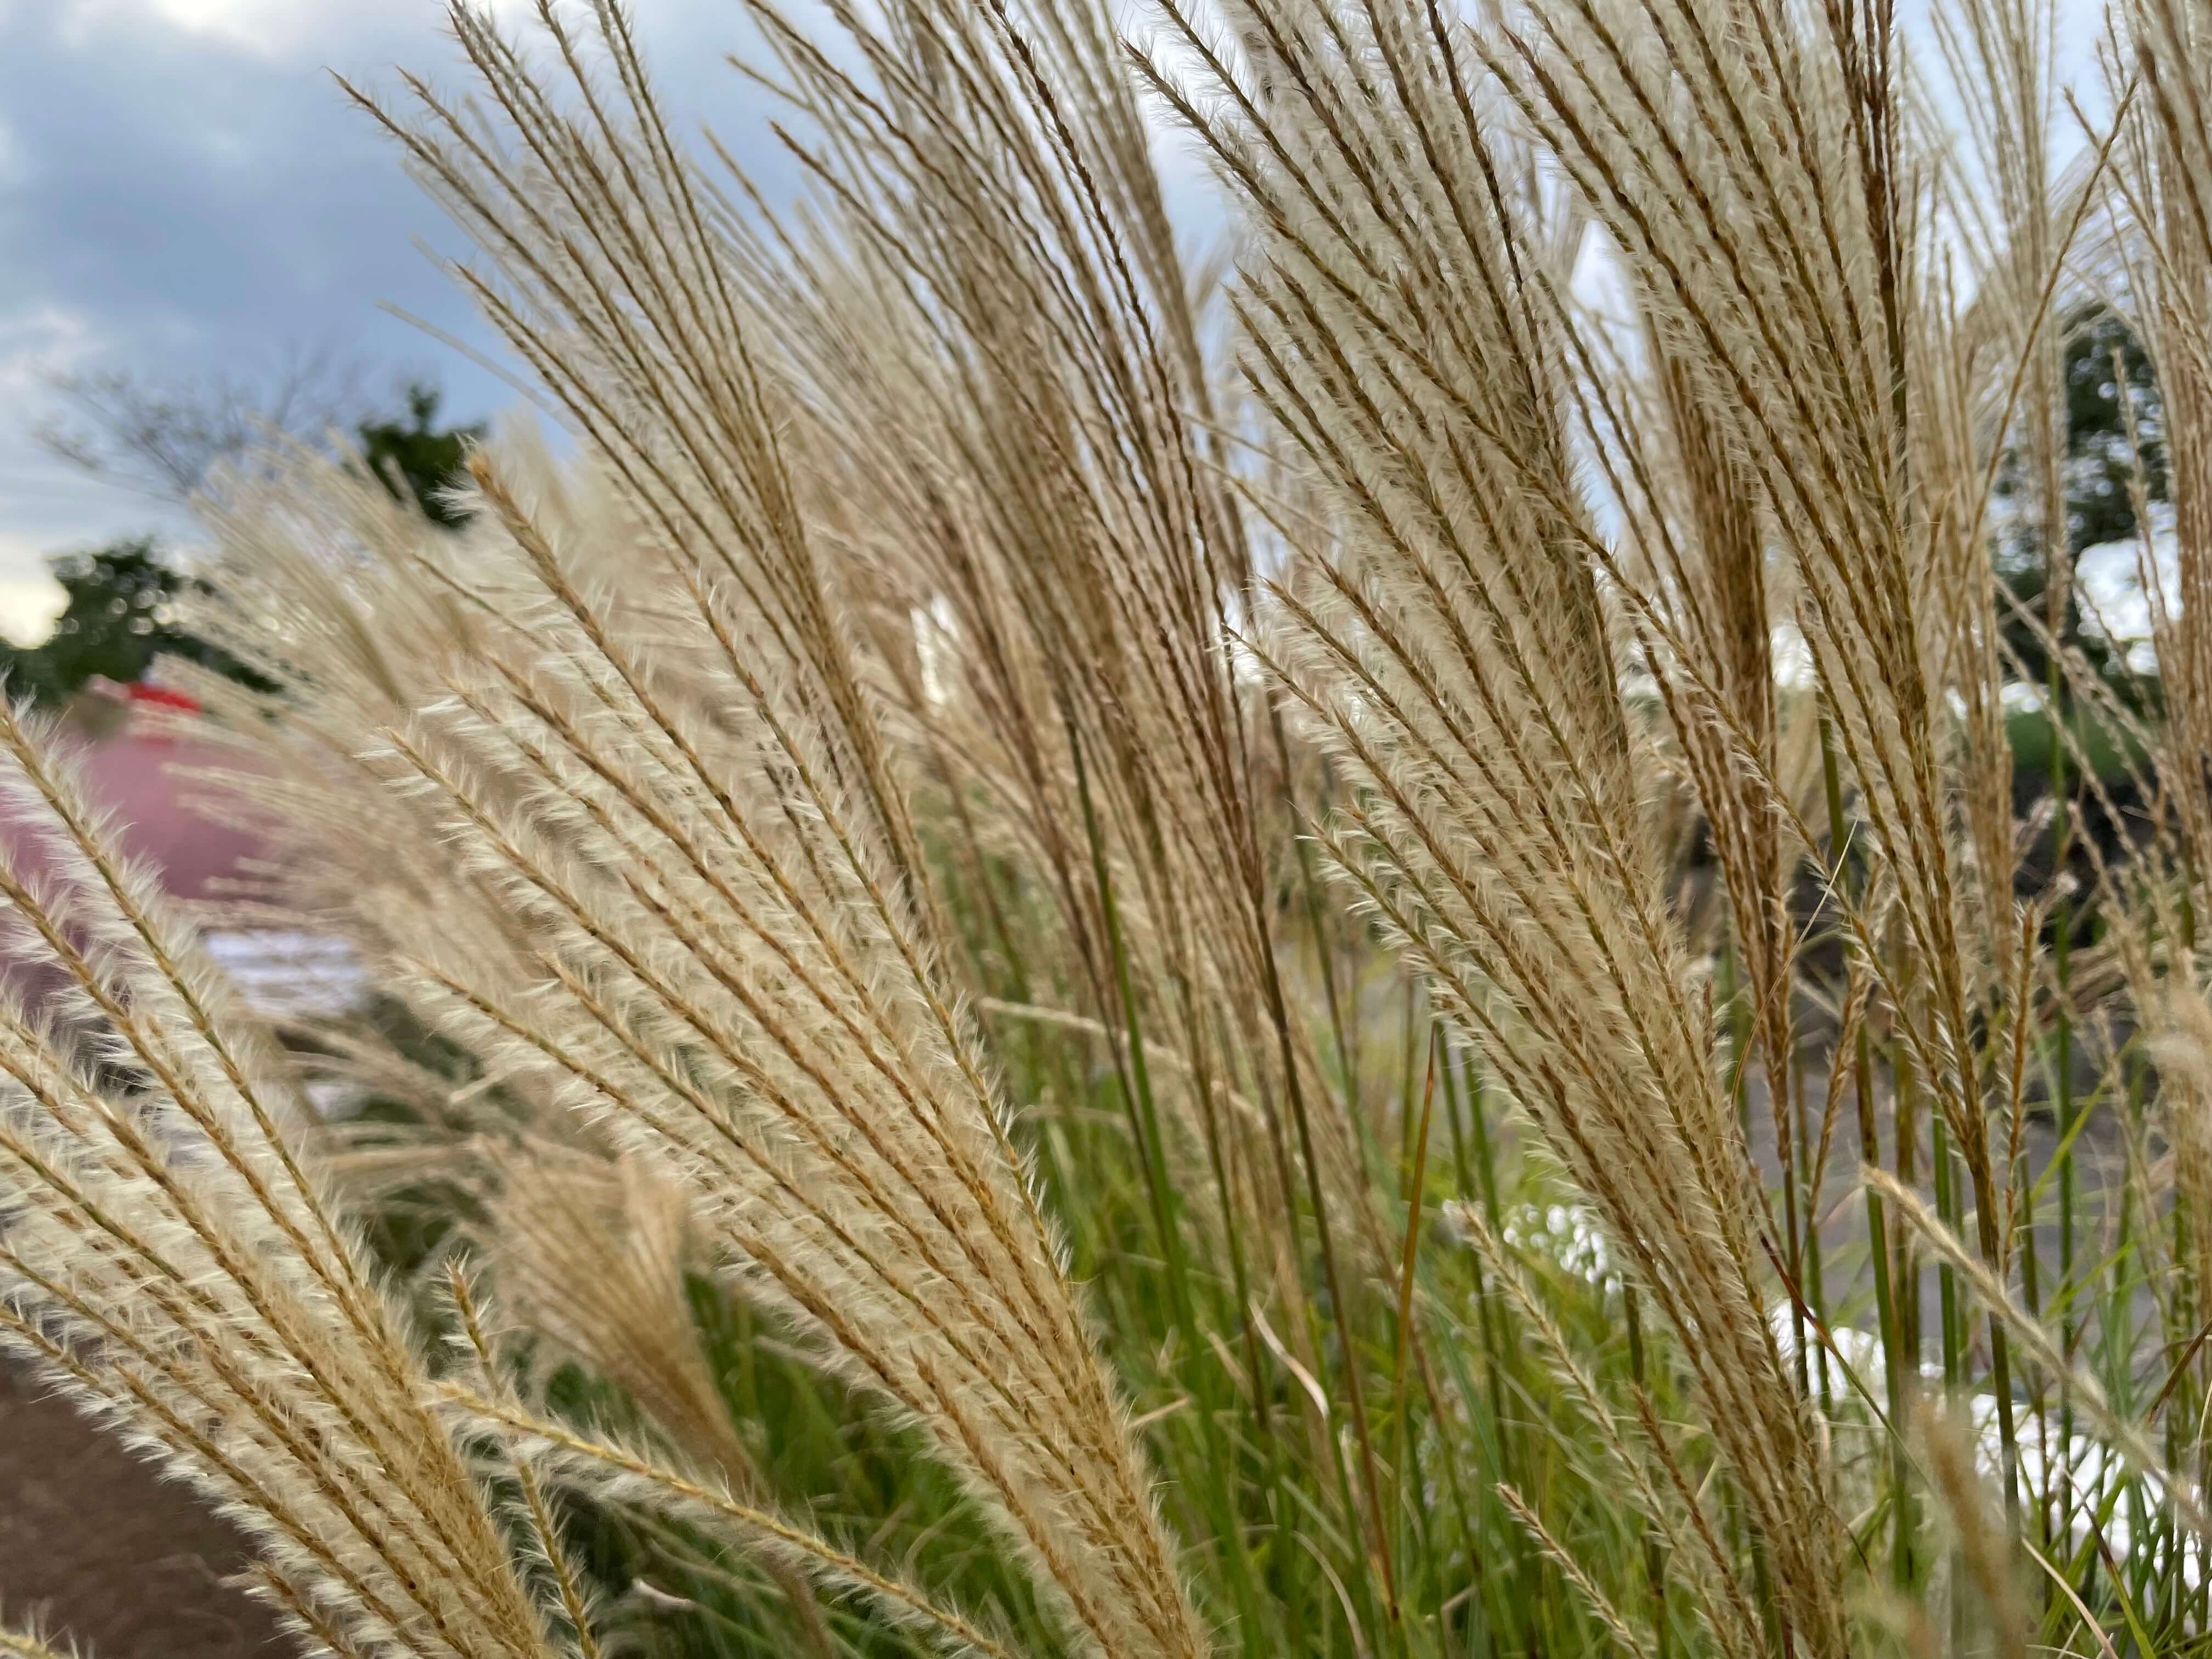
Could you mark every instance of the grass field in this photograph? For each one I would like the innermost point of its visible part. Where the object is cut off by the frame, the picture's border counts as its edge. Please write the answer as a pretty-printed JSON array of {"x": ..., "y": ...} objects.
[{"x": 1400, "y": 944}]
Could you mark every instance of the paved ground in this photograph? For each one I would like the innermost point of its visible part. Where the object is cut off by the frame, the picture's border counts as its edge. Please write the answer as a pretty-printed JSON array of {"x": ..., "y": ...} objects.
[{"x": 128, "y": 1565}]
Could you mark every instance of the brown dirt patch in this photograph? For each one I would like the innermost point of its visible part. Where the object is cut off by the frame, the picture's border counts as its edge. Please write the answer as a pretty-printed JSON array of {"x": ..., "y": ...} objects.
[{"x": 118, "y": 1558}]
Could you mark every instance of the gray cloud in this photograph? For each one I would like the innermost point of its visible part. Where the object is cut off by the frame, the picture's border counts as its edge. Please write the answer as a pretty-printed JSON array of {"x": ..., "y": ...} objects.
[{"x": 183, "y": 188}]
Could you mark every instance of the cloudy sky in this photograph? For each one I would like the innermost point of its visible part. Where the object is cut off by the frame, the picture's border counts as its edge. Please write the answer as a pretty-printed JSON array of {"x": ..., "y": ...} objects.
[{"x": 184, "y": 191}]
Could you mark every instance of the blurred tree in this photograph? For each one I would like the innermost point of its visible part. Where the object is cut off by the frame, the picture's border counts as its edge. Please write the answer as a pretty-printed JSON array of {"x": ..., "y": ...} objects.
[
  {"x": 2104, "y": 363},
  {"x": 119, "y": 617},
  {"x": 416, "y": 455},
  {"x": 165, "y": 441},
  {"x": 2109, "y": 384}
]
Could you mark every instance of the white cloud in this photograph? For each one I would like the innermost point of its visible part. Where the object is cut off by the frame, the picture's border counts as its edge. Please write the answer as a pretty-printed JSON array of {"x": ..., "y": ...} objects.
[
  {"x": 28, "y": 605},
  {"x": 30, "y": 599},
  {"x": 41, "y": 343},
  {"x": 259, "y": 29}
]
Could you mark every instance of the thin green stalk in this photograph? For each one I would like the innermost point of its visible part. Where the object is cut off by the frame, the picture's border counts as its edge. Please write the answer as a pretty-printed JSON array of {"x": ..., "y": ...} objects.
[
  {"x": 1416, "y": 1184},
  {"x": 1340, "y": 1305},
  {"x": 2031, "y": 1286},
  {"x": 2062, "y": 1041},
  {"x": 1654, "y": 1567},
  {"x": 1731, "y": 1001},
  {"x": 1904, "y": 1160},
  {"x": 1406, "y": 1084},
  {"x": 1283, "y": 1513},
  {"x": 1449, "y": 1459},
  {"x": 1815, "y": 1293},
  {"x": 1943, "y": 1164},
  {"x": 1413, "y": 1177},
  {"x": 1954, "y": 1336},
  {"x": 1166, "y": 1205},
  {"x": 2116, "y": 1319},
  {"x": 1894, "y": 1351},
  {"x": 1468, "y": 1098},
  {"x": 1315, "y": 913},
  {"x": 1462, "y": 1170}
]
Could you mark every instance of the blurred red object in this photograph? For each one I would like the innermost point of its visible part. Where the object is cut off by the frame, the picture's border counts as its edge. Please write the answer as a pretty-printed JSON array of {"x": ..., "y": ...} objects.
[{"x": 162, "y": 696}]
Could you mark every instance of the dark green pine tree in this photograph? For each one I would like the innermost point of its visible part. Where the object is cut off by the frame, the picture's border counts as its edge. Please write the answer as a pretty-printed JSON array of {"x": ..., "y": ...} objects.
[
  {"x": 120, "y": 608},
  {"x": 413, "y": 454},
  {"x": 2109, "y": 384},
  {"x": 118, "y": 616}
]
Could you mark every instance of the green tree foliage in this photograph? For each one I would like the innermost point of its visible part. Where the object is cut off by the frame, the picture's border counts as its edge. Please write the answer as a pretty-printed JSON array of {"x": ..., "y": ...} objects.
[
  {"x": 2110, "y": 387},
  {"x": 165, "y": 440},
  {"x": 120, "y": 615},
  {"x": 412, "y": 452},
  {"x": 121, "y": 605},
  {"x": 2105, "y": 362}
]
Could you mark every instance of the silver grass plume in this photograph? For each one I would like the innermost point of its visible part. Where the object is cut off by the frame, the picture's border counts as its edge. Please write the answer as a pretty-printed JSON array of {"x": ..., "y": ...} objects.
[
  {"x": 28, "y": 1642},
  {"x": 1407, "y": 327},
  {"x": 995, "y": 341},
  {"x": 592, "y": 1255},
  {"x": 735, "y": 957},
  {"x": 170, "y": 1260}
]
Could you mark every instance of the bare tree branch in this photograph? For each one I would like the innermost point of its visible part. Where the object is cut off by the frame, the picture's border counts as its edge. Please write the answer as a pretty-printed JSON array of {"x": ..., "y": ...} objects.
[{"x": 163, "y": 439}]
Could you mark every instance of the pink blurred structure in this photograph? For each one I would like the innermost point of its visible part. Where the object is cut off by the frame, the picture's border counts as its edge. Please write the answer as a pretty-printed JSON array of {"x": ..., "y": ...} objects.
[
  {"x": 131, "y": 742},
  {"x": 133, "y": 771},
  {"x": 137, "y": 750}
]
